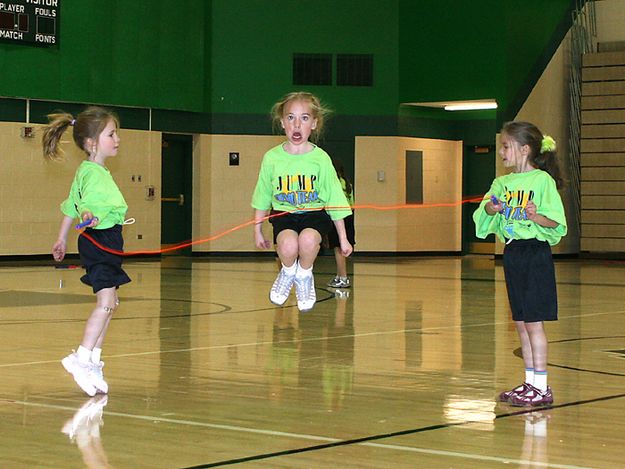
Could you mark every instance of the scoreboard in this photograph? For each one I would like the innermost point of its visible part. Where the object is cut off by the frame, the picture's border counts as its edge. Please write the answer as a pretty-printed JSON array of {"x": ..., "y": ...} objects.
[{"x": 30, "y": 21}]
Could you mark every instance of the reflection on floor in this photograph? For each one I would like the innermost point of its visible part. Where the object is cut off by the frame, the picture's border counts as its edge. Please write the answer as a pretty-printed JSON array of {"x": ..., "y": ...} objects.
[{"x": 400, "y": 370}]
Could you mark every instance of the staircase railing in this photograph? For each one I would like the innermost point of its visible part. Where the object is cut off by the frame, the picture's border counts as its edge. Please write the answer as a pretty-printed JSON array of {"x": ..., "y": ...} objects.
[{"x": 583, "y": 40}]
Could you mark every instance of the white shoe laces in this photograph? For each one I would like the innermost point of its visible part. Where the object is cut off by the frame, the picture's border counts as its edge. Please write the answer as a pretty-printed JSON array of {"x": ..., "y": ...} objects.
[
  {"x": 304, "y": 288},
  {"x": 282, "y": 283}
]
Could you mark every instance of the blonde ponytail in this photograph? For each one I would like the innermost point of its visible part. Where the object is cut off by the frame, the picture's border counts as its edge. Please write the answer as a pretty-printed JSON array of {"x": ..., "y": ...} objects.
[{"x": 57, "y": 125}]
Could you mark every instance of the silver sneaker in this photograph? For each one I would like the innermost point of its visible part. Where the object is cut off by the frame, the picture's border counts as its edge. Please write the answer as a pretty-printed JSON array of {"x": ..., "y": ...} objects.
[
  {"x": 339, "y": 282},
  {"x": 97, "y": 376},
  {"x": 82, "y": 373},
  {"x": 281, "y": 288},
  {"x": 305, "y": 292}
]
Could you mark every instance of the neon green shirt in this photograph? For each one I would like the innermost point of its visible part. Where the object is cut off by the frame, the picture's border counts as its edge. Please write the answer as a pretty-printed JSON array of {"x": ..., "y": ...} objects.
[
  {"x": 514, "y": 190},
  {"x": 94, "y": 190},
  {"x": 298, "y": 183},
  {"x": 350, "y": 196}
]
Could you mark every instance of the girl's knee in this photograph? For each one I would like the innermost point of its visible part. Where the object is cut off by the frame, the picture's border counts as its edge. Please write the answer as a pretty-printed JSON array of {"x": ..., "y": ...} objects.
[
  {"x": 288, "y": 248},
  {"x": 309, "y": 240}
]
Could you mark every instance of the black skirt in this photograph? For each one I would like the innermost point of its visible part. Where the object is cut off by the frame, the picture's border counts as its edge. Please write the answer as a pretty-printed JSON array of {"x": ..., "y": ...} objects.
[
  {"x": 104, "y": 269},
  {"x": 530, "y": 280},
  {"x": 318, "y": 220}
]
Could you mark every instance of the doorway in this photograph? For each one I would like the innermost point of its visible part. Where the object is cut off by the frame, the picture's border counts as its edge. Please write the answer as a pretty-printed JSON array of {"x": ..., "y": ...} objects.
[
  {"x": 176, "y": 196},
  {"x": 478, "y": 172}
]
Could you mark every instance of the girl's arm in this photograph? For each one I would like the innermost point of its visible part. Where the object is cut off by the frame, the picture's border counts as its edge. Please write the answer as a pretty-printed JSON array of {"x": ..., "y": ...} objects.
[
  {"x": 346, "y": 247},
  {"x": 259, "y": 239},
  {"x": 530, "y": 210},
  {"x": 60, "y": 247}
]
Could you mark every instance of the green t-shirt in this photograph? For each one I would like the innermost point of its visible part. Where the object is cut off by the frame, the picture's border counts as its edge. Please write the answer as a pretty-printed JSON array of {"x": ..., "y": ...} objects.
[
  {"x": 514, "y": 190},
  {"x": 350, "y": 196},
  {"x": 299, "y": 183},
  {"x": 94, "y": 190}
]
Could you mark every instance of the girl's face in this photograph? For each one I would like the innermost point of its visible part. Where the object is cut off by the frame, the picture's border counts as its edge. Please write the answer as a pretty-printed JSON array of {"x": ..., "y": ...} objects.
[
  {"x": 108, "y": 141},
  {"x": 298, "y": 122},
  {"x": 513, "y": 154}
]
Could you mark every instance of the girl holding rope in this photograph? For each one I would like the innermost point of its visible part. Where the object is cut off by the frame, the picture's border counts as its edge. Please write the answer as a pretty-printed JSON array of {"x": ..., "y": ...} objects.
[{"x": 96, "y": 200}]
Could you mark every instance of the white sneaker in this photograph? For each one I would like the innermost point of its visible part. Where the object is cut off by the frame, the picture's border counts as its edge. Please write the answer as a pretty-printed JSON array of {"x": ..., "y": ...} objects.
[
  {"x": 89, "y": 415},
  {"x": 340, "y": 282},
  {"x": 305, "y": 292},
  {"x": 97, "y": 376},
  {"x": 81, "y": 372},
  {"x": 281, "y": 288}
]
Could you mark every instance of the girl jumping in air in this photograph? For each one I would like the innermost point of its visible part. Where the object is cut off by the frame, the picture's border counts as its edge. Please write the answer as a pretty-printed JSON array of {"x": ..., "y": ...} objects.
[
  {"x": 524, "y": 209},
  {"x": 95, "y": 199},
  {"x": 298, "y": 183}
]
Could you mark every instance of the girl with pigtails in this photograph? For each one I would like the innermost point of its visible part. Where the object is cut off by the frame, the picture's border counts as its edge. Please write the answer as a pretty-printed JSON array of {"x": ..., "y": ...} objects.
[
  {"x": 97, "y": 202},
  {"x": 524, "y": 210},
  {"x": 298, "y": 185}
]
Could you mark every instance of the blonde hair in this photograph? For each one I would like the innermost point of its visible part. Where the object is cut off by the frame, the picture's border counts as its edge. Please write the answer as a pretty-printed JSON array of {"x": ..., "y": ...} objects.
[
  {"x": 317, "y": 109},
  {"x": 89, "y": 124}
]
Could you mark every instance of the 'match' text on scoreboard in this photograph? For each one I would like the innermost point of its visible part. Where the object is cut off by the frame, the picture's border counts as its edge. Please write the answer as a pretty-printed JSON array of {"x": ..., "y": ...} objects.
[{"x": 30, "y": 21}]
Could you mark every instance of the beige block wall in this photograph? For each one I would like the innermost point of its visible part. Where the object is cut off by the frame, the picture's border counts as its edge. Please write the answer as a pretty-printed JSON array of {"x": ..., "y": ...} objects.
[
  {"x": 424, "y": 228},
  {"x": 222, "y": 194},
  {"x": 610, "y": 20},
  {"x": 32, "y": 189}
]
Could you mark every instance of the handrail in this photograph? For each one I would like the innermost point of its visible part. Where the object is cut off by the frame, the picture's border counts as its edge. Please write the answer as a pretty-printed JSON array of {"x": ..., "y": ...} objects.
[{"x": 583, "y": 40}]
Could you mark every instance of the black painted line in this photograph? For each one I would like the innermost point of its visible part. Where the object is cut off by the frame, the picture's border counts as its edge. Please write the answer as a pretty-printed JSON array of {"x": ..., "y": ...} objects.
[{"x": 370, "y": 438}]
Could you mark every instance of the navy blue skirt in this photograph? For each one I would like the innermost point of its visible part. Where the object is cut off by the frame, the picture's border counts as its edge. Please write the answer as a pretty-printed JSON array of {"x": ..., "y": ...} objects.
[
  {"x": 318, "y": 220},
  {"x": 104, "y": 269},
  {"x": 530, "y": 280}
]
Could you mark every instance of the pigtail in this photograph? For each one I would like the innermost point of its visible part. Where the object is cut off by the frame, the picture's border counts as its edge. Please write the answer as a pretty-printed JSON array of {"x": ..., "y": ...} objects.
[
  {"x": 548, "y": 161},
  {"x": 57, "y": 125}
]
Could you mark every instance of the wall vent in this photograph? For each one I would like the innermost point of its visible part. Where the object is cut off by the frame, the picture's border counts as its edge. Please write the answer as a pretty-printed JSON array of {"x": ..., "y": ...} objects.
[
  {"x": 312, "y": 69},
  {"x": 354, "y": 69}
]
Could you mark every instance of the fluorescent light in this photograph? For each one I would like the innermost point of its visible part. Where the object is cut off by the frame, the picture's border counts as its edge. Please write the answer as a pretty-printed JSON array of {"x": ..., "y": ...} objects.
[{"x": 475, "y": 106}]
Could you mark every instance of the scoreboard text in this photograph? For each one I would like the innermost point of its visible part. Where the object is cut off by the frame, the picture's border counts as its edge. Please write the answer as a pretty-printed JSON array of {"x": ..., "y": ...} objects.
[{"x": 29, "y": 21}]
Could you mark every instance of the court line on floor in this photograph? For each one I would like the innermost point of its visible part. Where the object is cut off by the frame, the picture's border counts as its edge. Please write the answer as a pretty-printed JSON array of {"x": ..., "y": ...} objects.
[
  {"x": 311, "y": 339},
  {"x": 328, "y": 441},
  {"x": 367, "y": 441}
]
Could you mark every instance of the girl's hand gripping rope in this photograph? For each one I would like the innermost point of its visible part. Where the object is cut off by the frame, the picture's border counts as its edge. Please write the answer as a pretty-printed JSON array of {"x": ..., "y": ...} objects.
[
  {"x": 494, "y": 205},
  {"x": 89, "y": 221}
]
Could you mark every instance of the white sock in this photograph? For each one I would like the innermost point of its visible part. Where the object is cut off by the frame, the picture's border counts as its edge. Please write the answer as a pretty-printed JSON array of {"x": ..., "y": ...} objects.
[
  {"x": 540, "y": 380},
  {"x": 84, "y": 354},
  {"x": 290, "y": 270},
  {"x": 302, "y": 273},
  {"x": 529, "y": 375},
  {"x": 540, "y": 428},
  {"x": 96, "y": 353}
]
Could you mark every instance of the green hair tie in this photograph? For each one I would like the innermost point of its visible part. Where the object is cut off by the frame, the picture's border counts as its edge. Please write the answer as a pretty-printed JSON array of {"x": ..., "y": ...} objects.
[{"x": 547, "y": 144}]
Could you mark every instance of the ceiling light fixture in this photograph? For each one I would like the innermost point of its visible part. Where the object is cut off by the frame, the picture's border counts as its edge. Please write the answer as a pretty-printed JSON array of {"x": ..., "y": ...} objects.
[{"x": 475, "y": 106}]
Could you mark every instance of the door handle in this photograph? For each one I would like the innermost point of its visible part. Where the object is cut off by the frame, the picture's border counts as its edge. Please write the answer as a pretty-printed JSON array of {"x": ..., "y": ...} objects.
[{"x": 179, "y": 199}]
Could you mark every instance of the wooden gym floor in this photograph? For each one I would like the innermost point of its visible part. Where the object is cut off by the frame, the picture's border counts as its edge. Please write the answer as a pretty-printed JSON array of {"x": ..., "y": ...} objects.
[{"x": 401, "y": 370}]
